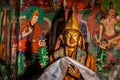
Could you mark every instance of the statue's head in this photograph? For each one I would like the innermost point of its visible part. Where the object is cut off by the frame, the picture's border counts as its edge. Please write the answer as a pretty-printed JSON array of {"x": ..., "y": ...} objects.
[{"x": 71, "y": 35}]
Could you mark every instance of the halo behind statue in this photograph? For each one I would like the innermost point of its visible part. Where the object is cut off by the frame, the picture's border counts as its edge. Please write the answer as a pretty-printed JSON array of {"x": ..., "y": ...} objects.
[{"x": 31, "y": 10}]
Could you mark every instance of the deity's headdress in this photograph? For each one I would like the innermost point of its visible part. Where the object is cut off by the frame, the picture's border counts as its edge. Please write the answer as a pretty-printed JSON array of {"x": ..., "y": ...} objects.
[
  {"x": 72, "y": 23},
  {"x": 36, "y": 12}
]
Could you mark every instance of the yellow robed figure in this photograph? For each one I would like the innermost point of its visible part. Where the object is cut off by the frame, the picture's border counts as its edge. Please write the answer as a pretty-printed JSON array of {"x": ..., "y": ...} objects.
[{"x": 74, "y": 47}]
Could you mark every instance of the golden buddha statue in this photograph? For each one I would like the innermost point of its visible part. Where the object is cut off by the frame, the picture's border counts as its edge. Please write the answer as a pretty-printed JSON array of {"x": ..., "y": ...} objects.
[{"x": 74, "y": 47}]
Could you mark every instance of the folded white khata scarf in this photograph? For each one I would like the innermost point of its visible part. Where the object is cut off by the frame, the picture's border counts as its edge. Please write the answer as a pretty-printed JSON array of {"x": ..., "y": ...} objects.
[{"x": 58, "y": 69}]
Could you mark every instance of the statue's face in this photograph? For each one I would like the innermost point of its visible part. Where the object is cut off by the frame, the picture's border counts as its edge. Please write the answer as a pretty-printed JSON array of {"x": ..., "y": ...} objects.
[
  {"x": 34, "y": 19},
  {"x": 71, "y": 37}
]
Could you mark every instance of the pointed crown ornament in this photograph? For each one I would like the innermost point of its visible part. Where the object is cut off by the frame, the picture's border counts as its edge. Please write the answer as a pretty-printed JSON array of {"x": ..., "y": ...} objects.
[
  {"x": 72, "y": 23},
  {"x": 36, "y": 12}
]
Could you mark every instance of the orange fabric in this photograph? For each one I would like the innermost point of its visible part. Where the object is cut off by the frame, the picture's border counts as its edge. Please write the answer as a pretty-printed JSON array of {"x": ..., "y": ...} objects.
[
  {"x": 23, "y": 46},
  {"x": 0, "y": 50},
  {"x": 91, "y": 62},
  {"x": 68, "y": 77}
]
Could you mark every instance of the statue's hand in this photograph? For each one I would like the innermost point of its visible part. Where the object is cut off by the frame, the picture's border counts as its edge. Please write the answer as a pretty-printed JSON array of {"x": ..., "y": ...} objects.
[{"x": 74, "y": 72}]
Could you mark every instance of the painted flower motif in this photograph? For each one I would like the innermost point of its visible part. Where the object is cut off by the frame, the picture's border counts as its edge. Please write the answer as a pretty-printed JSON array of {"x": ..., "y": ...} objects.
[{"x": 103, "y": 45}]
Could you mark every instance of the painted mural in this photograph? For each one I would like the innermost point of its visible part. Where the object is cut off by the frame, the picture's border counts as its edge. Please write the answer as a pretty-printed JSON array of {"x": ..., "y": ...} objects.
[{"x": 36, "y": 35}]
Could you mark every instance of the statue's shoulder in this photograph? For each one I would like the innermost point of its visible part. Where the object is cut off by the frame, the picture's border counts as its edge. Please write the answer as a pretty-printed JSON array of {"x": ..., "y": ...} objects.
[
  {"x": 59, "y": 50},
  {"x": 59, "y": 53}
]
